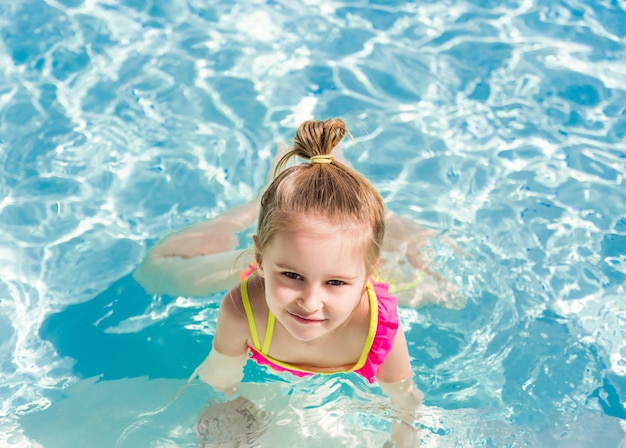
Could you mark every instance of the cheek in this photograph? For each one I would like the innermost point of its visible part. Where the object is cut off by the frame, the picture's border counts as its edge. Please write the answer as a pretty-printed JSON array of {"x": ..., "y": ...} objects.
[
  {"x": 344, "y": 303},
  {"x": 277, "y": 290}
]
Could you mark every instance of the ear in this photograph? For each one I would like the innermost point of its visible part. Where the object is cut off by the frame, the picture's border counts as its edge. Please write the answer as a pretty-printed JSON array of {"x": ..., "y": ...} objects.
[{"x": 257, "y": 256}]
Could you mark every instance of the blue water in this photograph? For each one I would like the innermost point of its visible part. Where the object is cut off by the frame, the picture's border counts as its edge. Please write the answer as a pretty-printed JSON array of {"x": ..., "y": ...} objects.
[{"x": 501, "y": 125}]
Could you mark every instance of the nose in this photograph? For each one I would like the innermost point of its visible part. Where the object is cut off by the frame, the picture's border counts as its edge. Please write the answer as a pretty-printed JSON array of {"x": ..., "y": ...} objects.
[{"x": 310, "y": 299}]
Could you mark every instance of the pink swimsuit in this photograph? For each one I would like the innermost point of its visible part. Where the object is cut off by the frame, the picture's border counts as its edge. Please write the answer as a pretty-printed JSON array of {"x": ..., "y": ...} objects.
[{"x": 381, "y": 334}]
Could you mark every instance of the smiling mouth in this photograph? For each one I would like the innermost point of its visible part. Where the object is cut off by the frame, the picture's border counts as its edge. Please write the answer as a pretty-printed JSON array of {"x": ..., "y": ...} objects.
[{"x": 305, "y": 320}]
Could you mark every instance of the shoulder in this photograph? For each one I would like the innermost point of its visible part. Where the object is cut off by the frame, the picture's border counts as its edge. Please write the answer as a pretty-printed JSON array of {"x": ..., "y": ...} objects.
[
  {"x": 231, "y": 319},
  {"x": 232, "y": 332},
  {"x": 232, "y": 307},
  {"x": 232, "y": 304}
]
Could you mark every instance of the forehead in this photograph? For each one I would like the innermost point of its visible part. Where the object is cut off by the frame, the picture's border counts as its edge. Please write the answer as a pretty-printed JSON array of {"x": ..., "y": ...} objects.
[
  {"x": 319, "y": 244},
  {"x": 350, "y": 235},
  {"x": 323, "y": 232},
  {"x": 322, "y": 225}
]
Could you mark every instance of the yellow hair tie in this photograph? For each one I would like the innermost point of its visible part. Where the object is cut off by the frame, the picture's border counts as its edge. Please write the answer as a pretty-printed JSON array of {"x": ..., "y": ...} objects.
[{"x": 326, "y": 158}]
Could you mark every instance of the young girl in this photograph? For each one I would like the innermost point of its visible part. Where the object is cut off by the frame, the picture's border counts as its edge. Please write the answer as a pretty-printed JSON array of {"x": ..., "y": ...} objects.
[{"x": 309, "y": 303}]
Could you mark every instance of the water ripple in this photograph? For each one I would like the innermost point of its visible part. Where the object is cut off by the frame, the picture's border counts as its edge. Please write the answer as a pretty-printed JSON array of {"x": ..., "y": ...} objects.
[{"x": 498, "y": 124}]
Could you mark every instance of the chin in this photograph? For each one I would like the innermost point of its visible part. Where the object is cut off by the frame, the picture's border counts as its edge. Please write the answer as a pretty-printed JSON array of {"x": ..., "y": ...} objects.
[{"x": 306, "y": 335}]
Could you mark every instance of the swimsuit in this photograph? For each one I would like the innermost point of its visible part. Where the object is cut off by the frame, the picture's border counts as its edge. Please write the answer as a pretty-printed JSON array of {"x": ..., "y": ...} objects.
[{"x": 382, "y": 331}]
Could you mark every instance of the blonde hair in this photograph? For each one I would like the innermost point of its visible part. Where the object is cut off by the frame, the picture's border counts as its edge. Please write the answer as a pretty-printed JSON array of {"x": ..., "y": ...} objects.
[{"x": 332, "y": 191}]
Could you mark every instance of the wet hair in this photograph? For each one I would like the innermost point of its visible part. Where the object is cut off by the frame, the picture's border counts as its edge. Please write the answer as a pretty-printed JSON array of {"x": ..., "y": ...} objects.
[{"x": 331, "y": 191}]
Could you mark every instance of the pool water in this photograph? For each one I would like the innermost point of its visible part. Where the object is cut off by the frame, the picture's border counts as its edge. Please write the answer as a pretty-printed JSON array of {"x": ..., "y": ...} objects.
[{"x": 499, "y": 125}]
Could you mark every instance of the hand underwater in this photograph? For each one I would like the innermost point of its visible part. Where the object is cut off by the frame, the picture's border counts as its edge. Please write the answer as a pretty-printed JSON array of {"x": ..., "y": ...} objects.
[{"x": 237, "y": 422}]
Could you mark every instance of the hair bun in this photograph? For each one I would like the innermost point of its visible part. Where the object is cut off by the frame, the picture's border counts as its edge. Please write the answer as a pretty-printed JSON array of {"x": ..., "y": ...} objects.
[{"x": 317, "y": 138}]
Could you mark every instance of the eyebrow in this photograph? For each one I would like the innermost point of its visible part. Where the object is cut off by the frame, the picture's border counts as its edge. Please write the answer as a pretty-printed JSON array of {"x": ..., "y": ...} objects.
[{"x": 341, "y": 276}]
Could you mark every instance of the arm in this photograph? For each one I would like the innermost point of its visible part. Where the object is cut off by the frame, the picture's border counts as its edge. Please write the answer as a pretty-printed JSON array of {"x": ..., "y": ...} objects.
[
  {"x": 395, "y": 378},
  {"x": 237, "y": 418},
  {"x": 223, "y": 368}
]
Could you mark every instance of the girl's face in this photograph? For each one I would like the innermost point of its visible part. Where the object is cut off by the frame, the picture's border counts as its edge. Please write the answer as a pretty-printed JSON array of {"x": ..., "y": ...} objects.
[{"x": 315, "y": 277}]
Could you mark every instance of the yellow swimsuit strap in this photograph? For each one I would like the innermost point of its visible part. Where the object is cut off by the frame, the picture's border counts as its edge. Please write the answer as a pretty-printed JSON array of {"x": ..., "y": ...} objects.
[
  {"x": 371, "y": 332},
  {"x": 252, "y": 324}
]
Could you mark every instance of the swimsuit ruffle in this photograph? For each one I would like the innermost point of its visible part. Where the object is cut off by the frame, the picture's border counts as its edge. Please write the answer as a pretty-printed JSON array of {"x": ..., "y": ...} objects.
[{"x": 386, "y": 330}]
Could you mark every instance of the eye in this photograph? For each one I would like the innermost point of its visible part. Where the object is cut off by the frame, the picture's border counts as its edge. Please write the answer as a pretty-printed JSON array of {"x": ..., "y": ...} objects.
[
  {"x": 336, "y": 283},
  {"x": 292, "y": 275}
]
